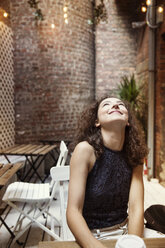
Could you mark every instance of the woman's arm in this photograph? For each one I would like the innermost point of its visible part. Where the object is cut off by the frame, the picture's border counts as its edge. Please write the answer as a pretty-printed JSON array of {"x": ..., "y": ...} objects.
[
  {"x": 82, "y": 159},
  {"x": 136, "y": 203}
]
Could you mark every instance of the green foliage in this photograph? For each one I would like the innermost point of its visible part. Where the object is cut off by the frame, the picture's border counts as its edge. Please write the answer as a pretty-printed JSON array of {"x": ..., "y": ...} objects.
[
  {"x": 129, "y": 90},
  {"x": 135, "y": 93},
  {"x": 38, "y": 13},
  {"x": 100, "y": 13}
]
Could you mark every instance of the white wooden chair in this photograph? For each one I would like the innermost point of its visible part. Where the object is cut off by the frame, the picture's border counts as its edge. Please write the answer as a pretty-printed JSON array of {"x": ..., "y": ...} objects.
[{"x": 39, "y": 197}]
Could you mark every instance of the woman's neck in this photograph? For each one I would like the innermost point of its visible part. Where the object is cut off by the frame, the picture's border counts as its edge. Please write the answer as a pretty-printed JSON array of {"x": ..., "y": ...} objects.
[{"x": 114, "y": 139}]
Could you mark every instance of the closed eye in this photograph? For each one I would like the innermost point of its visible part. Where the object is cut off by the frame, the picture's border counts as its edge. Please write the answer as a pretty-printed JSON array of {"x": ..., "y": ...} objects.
[{"x": 105, "y": 104}]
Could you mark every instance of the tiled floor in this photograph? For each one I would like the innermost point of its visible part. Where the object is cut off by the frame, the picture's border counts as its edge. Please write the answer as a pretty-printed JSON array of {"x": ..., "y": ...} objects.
[{"x": 154, "y": 193}]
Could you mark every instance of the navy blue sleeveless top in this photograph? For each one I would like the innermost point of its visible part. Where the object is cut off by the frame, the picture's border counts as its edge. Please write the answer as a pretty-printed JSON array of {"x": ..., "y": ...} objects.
[{"x": 107, "y": 190}]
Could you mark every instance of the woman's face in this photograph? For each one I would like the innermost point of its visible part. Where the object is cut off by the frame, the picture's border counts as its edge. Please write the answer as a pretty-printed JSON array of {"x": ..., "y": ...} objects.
[{"x": 112, "y": 110}]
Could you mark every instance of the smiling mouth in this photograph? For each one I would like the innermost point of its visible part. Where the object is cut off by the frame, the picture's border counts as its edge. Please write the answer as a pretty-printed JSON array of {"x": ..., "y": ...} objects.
[{"x": 115, "y": 111}]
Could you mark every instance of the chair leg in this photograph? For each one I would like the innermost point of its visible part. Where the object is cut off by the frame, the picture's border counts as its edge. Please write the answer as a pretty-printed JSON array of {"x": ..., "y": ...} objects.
[
  {"x": 53, "y": 217},
  {"x": 22, "y": 217},
  {"x": 63, "y": 215},
  {"x": 19, "y": 235},
  {"x": 33, "y": 220}
]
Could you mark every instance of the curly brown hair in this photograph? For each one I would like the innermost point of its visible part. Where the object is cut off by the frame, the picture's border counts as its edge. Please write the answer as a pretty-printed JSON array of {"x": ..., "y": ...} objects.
[{"x": 134, "y": 148}]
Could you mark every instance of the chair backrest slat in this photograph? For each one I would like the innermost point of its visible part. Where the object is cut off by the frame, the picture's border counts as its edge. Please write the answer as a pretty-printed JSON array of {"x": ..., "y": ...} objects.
[
  {"x": 61, "y": 159},
  {"x": 63, "y": 154},
  {"x": 60, "y": 173}
]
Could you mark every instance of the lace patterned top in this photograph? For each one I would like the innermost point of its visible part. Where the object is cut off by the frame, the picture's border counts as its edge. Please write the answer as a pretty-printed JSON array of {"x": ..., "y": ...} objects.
[{"x": 107, "y": 191}]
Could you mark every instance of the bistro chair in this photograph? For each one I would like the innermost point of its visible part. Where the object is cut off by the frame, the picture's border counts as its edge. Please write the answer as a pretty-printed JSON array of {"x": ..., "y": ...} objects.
[{"x": 39, "y": 198}]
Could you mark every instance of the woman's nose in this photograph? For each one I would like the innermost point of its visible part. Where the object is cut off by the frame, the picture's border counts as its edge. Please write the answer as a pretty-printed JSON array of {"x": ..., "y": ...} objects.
[{"x": 115, "y": 106}]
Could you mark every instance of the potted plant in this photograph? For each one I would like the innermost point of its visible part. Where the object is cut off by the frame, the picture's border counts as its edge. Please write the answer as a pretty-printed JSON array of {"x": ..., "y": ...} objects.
[{"x": 135, "y": 93}]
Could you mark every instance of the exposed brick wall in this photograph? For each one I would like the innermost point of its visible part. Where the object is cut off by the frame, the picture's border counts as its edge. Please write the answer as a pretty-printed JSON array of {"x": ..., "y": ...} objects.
[
  {"x": 160, "y": 103},
  {"x": 53, "y": 69},
  {"x": 116, "y": 46},
  {"x": 142, "y": 72},
  {"x": 142, "y": 54}
]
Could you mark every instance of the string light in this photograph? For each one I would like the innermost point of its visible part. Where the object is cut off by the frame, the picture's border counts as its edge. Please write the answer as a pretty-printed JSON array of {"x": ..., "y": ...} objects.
[
  {"x": 148, "y": 2},
  {"x": 52, "y": 25},
  {"x": 65, "y": 10},
  {"x": 144, "y": 9},
  {"x": 5, "y": 14},
  {"x": 160, "y": 9},
  {"x": 147, "y": 8}
]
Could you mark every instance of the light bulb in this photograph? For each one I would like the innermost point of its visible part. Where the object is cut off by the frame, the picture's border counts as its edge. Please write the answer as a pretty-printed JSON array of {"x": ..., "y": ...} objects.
[
  {"x": 65, "y": 15},
  {"x": 5, "y": 14},
  {"x": 65, "y": 9},
  {"x": 143, "y": 9},
  {"x": 160, "y": 9},
  {"x": 148, "y": 2},
  {"x": 52, "y": 25},
  {"x": 66, "y": 21}
]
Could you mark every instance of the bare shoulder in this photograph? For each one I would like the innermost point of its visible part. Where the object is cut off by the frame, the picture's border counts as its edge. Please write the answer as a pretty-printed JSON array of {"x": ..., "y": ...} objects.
[
  {"x": 84, "y": 146},
  {"x": 83, "y": 154}
]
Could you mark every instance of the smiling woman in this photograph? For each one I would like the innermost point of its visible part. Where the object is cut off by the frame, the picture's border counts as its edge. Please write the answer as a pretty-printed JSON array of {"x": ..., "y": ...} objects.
[
  {"x": 106, "y": 174},
  {"x": 88, "y": 131}
]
